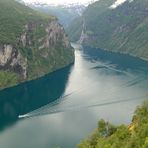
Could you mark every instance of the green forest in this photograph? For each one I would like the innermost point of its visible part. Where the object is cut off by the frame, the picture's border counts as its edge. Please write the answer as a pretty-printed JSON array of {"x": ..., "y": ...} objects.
[{"x": 134, "y": 135}]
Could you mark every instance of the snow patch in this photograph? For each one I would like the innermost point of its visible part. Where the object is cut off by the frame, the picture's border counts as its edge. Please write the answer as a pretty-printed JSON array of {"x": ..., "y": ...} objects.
[{"x": 118, "y": 3}]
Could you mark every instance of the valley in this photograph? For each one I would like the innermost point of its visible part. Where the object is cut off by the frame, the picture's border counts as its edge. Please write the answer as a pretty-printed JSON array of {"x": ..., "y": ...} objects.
[
  {"x": 58, "y": 112},
  {"x": 122, "y": 29},
  {"x": 66, "y": 66}
]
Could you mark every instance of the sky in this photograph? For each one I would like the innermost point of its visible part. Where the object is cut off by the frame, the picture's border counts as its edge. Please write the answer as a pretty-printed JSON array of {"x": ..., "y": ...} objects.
[{"x": 58, "y": 2}]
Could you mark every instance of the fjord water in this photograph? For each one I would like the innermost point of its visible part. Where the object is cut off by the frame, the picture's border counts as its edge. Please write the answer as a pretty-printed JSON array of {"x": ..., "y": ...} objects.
[{"x": 63, "y": 107}]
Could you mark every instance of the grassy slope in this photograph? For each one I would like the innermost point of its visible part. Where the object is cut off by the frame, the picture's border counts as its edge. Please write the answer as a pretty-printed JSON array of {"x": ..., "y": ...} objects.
[
  {"x": 133, "y": 136},
  {"x": 13, "y": 17},
  {"x": 7, "y": 77}
]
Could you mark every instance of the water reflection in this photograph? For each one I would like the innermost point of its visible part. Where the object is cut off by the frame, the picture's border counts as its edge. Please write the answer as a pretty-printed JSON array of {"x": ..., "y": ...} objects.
[
  {"x": 107, "y": 78},
  {"x": 112, "y": 87},
  {"x": 29, "y": 96},
  {"x": 116, "y": 60}
]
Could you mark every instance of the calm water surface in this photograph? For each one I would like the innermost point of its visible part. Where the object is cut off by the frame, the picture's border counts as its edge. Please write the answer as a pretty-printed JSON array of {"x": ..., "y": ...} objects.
[{"x": 63, "y": 107}]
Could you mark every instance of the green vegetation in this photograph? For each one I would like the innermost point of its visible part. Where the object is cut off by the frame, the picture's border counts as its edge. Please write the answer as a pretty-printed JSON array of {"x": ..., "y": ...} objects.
[
  {"x": 90, "y": 17},
  {"x": 13, "y": 18},
  {"x": 8, "y": 78},
  {"x": 109, "y": 136},
  {"x": 75, "y": 28},
  {"x": 123, "y": 29},
  {"x": 39, "y": 66},
  {"x": 25, "y": 29}
]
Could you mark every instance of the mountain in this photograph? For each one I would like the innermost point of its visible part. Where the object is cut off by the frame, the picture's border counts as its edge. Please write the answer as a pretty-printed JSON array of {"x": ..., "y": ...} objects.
[
  {"x": 32, "y": 44},
  {"x": 119, "y": 29},
  {"x": 109, "y": 136},
  {"x": 65, "y": 13}
]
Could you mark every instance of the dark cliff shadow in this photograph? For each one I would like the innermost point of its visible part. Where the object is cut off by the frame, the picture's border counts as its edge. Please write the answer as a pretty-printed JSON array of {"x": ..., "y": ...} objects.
[
  {"x": 120, "y": 61},
  {"x": 31, "y": 95}
]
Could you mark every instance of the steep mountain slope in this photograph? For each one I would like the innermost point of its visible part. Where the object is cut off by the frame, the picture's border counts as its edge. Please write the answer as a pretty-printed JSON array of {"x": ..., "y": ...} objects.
[
  {"x": 90, "y": 15},
  {"x": 32, "y": 44},
  {"x": 65, "y": 14},
  {"x": 123, "y": 29}
]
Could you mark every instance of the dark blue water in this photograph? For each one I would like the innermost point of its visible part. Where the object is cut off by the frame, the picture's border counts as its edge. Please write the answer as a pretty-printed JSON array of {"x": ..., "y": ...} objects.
[
  {"x": 32, "y": 95},
  {"x": 63, "y": 107}
]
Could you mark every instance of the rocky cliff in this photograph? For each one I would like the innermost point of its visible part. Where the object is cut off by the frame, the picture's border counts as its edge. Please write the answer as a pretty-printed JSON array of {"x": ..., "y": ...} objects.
[{"x": 31, "y": 46}]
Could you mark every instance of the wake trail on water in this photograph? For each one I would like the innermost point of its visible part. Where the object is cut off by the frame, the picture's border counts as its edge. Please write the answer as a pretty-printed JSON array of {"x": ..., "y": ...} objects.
[
  {"x": 132, "y": 82},
  {"x": 112, "y": 68},
  {"x": 51, "y": 106},
  {"x": 55, "y": 107},
  {"x": 48, "y": 111}
]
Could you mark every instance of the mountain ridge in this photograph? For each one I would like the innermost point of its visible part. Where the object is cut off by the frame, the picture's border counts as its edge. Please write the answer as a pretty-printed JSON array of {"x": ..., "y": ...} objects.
[
  {"x": 65, "y": 13},
  {"x": 123, "y": 29},
  {"x": 32, "y": 44}
]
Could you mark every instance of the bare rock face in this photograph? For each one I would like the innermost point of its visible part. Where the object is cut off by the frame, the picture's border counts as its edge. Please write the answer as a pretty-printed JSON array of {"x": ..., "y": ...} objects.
[
  {"x": 24, "y": 39},
  {"x": 55, "y": 32},
  {"x": 11, "y": 59},
  {"x": 5, "y": 54},
  {"x": 19, "y": 64}
]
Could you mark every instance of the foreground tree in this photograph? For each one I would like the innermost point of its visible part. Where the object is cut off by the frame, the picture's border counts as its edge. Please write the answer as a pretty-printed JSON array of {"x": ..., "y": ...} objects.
[{"x": 133, "y": 136}]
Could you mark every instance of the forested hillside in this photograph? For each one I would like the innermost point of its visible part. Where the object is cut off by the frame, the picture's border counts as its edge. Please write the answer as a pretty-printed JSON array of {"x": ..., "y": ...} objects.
[
  {"x": 109, "y": 136},
  {"x": 32, "y": 44},
  {"x": 121, "y": 29}
]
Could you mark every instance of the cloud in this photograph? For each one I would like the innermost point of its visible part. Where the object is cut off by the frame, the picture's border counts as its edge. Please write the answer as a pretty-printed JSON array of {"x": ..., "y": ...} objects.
[{"x": 58, "y": 2}]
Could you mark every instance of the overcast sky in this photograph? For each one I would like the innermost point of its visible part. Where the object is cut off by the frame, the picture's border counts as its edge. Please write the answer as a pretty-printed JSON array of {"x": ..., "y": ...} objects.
[{"x": 57, "y": 2}]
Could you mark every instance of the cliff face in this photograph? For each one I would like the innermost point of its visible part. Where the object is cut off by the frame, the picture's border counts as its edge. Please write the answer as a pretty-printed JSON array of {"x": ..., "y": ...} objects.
[
  {"x": 12, "y": 60},
  {"x": 41, "y": 46}
]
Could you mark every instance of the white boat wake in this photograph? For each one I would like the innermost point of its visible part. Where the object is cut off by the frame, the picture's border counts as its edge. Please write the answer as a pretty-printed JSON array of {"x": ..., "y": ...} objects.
[{"x": 50, "y": 109}]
